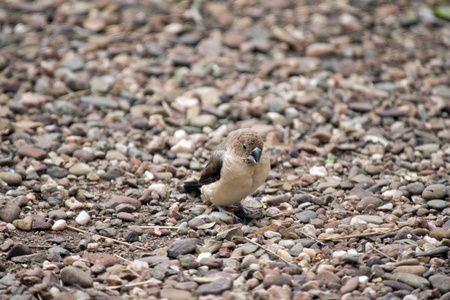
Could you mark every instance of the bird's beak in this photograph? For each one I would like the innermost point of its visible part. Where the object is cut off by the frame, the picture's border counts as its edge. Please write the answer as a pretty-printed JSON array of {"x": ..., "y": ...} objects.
[{"x": 255, "y": 155}]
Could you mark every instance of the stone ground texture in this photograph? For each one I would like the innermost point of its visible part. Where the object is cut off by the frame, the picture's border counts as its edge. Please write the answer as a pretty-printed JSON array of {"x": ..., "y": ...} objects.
[{"x": 107, "y": 107}]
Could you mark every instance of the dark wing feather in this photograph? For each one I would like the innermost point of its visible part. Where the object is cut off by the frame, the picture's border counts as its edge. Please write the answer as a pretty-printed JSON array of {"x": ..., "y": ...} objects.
[{"x": 211, "y": 173}]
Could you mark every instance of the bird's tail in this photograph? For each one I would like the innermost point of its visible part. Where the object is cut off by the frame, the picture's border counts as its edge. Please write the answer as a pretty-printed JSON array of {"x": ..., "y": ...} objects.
[{"x": 190, "y": 186}]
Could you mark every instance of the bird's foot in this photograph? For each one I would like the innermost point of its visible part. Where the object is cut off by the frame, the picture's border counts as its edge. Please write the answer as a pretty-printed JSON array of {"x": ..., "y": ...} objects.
[
  {"x": 221, "y": 209},
  {"x": 250, "y": 212}
]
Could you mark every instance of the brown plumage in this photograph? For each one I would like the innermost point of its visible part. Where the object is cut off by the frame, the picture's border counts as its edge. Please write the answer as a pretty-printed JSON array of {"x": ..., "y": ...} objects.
[{"x": 236, "y": 168}]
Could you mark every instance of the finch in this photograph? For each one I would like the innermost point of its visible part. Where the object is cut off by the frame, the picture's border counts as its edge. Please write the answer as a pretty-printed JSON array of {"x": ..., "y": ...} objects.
[{"x": 236, "y": 168}]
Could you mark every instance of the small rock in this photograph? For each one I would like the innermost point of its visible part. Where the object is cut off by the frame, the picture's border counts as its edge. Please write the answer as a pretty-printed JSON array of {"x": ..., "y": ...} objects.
[
  {"x": 183, "y": 146},
  {"x": 83, "y": 218},
  {"x": 350, "y": 286},
  {"x": 437, "y": 204},
  {"x": 320, "y": 50},
  {"x": 12, "y": 179},
  {"x": 117, "y": 200},
  {"x": 18, "y": 250},
  {"x": 115, "y": 155},
  {"x": 103, "y": 259},
  {"x": 305, "y": 216},
  {"x": 415, "y": 188},
  {"x": 434, "y": 191},
  {"x": 10, "y": 212},
  {"x": 366, "y": 201},
  {"x": 80, "y": 169},
  {"x": 441, "y": 282},
  {"x": 441, "y": 250},
  {"x": 318, "y": 171},
  {"x": 100, "y": 102},
  {"x": 31, "y": 151},
  {"x": 75, "y": 276},
  {"x": 203, "y": 120},
  {"x": 411, "y": 279},
  {"x": 216, "y": 287},
  {"x": 59, "y": 225},
  {"x": 175, "y": 294},
  {"x": 24, "y": 224},
  {"x": 182, "y": 247},
  {"x": 228, "y": 234},
  {"x": 328, "y": 277},
  {"x": 276, "y": 279}
]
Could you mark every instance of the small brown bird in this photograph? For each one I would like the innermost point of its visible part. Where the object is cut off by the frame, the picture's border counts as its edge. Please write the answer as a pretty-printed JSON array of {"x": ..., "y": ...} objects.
[{"x": 236, "y": 168}]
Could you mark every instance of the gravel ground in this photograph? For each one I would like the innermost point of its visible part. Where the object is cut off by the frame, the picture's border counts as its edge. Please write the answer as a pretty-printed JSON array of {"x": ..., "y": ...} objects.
[{"x": 107, "y": 107}]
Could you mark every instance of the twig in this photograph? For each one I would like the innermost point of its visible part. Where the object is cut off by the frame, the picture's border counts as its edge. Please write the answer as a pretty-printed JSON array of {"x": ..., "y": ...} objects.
[
  {"x": 380, "y": 252},
  {"x": 115, "y": 287},
  {"x": 122, "y": 258},
  {"x": 75, "y": 94},
  {"x": 159, "y": 227},
  {"x": 37, "y": 246},
  {"x": 370, "y": 91},
  {"x": 105, "y": 237},
  {"x": 281, "y": 183},
  {"x": 358, "y": 235},
  {"x": 266, "y": 249}
]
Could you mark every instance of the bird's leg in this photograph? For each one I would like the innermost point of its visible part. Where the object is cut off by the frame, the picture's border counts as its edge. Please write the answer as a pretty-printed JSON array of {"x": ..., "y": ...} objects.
[
  {"x": 248, "y": 210},
  {"x": 221, "y": 209}
]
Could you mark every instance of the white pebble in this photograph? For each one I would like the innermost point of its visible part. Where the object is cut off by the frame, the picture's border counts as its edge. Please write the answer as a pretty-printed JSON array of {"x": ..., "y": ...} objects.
[
  {"x": 138, "y": 266},
  {"x": 92, "y": 246},
  {"x": 183, "y": 146},
  {"x": 149, "y": 175},
  {"x": 83, "y": 218},
  {"x": 325, "y": 267},
  {"x": 310, "y": 252},
  {"x": 285, "y": 255},
  {"x": 203, "y": 255},
  {"x": 339, "y": 254},
  {"x": 59, "y": 225},
  {"x": 310, "y": 230},
  {"x": 352, "y": 252},
  {"x": 318, "y": 171},
  {"x": 272, "y": 234},
  {"x": 159, "y": 188},
  {"x": 393, "y": 194},
  {"x": 74, "y": 204}
]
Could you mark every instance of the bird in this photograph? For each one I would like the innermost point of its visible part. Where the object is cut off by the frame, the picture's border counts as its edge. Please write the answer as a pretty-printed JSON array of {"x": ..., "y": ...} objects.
[{"x": 236, "y": 168}]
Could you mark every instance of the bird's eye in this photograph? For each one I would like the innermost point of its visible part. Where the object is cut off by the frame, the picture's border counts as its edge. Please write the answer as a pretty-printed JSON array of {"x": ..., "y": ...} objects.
[{"x": 244, "y": 146}]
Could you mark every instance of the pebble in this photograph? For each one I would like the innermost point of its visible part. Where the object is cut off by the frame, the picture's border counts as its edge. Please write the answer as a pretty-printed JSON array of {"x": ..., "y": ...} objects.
[
  {"x": 74, "y": 276},
  {"x": 305, "y": 216},
  {"x": 83, "y": 218},
  {"x": 411, "y": 279},
  {"x": 441, "y": 282},
  {"x": 30, "y": 151},
  {"x": 18, "y": 250},
  {"x": 216, "y": 287},
  {"x": 366, "y": 201},
  {"x": 115, "y": 155},
  {"x": 434, "y": 191},
  {"x": 24, "y": 224},
  {"x": 276, "y": 279},
  {"x": 441, "y": 250},
  {"x": 59, "y": 225},
  {"x": 80, "y": 169},
  {"x": 182, "y": 247},
  {"x": 437, "y": 204},
  {"x": 10, "y": 212},
  {"x": 11, "y": 179}
]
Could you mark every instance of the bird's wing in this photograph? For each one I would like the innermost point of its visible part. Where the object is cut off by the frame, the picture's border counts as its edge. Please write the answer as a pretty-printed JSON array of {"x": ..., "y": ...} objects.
[{"x": 211, "y": 173}]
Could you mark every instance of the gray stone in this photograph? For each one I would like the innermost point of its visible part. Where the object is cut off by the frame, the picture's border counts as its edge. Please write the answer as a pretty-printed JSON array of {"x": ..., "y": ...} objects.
[
  {"x": 441, "y": 282},
  {"x": 73, "y": 61},
  {"x": 154, "y": 260},
  {"x": 10, "y": 212},
  {"x": 415, "y": 188},
  {"x": 411, "y": 279},
  {"x": 182, "y": 247},
  {"x": 437, "y": 204},
  {"x": 441, "y": 250},
  {"x": 370, "y": 219},
  {"x": 216, "y": 287},
  {"x": 100, "y": 102},
  {"x": 296, "y": 250},
  {"x": 434, "y": 191},
  {"x": 305, "y": 216},
  {"x": 366, "y": 201},
  {"x": 229, "y": 233}
]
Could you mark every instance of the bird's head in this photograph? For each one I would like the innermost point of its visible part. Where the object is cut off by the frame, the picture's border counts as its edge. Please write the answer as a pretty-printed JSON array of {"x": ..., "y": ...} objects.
[{"x": 247, "y": 144}]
